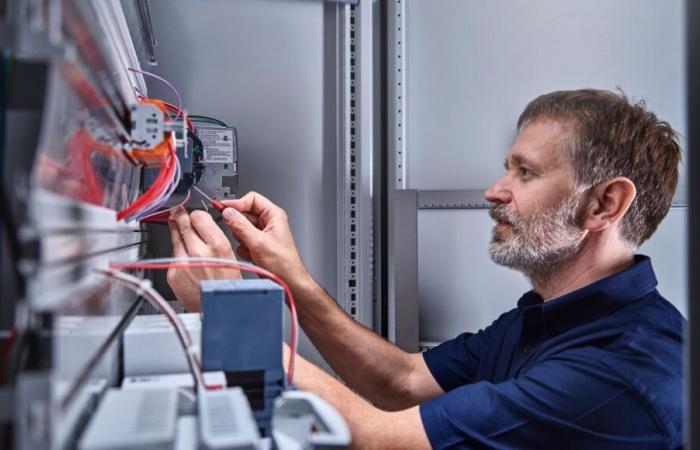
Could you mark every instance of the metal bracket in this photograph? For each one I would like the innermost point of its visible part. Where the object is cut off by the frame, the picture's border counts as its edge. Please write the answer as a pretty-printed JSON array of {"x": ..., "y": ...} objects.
[
  {"x": 397, "y": 93},
  {"x": 355, "y": 157},
  {"x": 455, "y": 199},
  {"x": 149, "y": 36},
  {"x": 474, "y": 199}
]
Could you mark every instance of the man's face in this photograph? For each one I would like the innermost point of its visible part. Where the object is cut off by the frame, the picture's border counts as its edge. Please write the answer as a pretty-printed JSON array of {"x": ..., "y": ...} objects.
[{"x": 535, "y": 205}]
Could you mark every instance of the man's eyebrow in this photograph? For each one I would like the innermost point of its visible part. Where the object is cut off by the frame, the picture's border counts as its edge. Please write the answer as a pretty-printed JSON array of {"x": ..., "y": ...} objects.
[{"x": 521, "y": 160}]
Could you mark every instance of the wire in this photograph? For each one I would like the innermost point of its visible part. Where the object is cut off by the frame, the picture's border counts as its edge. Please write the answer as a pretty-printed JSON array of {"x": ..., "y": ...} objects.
[
  {"x": 6, "y": 352},
  {"x": 161, "y": 189},
  {"x": 175, "y": 263},
  {"x": 160, "y": 216},
  {"x": 163, "y": 198},
  {"x": 144, "y": 288},
  {"x": 200, "y": 118},
  {"x": 167, "y": 83}
]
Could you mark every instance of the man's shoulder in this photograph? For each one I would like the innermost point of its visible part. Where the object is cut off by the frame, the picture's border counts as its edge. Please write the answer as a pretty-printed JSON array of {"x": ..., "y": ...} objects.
[
  {"x": 646, "y": 352},
  {"x": 652, "y": 312}
]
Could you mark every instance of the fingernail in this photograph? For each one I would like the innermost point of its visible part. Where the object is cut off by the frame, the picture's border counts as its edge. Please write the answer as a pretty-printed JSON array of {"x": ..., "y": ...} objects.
[{"x": 228, "y": 214}]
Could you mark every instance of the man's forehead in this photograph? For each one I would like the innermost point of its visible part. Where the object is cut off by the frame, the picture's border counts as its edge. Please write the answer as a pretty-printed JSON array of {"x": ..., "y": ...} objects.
[{"x": 540, "y": 143}]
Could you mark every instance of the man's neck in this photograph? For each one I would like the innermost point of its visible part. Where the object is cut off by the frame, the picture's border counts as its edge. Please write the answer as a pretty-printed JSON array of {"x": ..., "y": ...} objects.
[{"x": 593, "y": 262}]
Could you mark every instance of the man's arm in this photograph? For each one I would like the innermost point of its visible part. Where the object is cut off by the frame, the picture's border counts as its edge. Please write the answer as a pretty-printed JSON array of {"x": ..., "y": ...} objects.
[
  {"x": 386, "y": 375},
  {"x": 381, "y": 372},
  {"x": 370, "y": 427}
]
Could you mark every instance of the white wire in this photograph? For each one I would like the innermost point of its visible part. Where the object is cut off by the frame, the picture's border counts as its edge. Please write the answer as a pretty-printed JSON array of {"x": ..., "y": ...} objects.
[
  {"x": 144, "y": 287},
  {"x": 183, "y": 203},
  {"x": 165, "y": 195},
  {"x": 223, "y": 261}
]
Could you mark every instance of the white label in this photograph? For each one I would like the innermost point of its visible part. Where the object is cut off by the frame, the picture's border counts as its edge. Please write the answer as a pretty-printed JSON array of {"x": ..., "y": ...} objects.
[{"x": 218, "y": 144}]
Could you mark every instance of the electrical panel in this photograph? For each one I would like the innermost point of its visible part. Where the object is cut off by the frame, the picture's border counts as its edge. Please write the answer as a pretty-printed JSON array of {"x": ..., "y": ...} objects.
[
  {"x": 209, "y": 160},
  {"x": 87, "y": 160}
]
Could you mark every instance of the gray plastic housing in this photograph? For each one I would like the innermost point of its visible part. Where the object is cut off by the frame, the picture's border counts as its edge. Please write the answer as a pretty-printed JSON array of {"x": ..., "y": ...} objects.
[
  {"x": 133, "y": 419},
  {"x": 226, "y": 421}
]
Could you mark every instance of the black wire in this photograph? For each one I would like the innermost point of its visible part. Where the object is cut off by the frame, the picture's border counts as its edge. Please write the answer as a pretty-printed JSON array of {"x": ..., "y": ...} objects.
[
  {"x": 18, "y": 356},
  {"x": 196, "y": 116},
  {"x": 10, "y": 228}
]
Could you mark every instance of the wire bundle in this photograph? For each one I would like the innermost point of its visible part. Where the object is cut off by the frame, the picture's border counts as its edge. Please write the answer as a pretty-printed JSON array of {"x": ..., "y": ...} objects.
[
  {"x": 160, "y": 191},
  {"x": 207, "y": 119},
  {"x": 176, "y": 263},
  {"x": 162, "y": 215}
]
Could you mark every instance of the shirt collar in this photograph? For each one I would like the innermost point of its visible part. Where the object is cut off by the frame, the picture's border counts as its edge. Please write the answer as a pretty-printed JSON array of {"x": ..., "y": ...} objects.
[{"x": 588, "y": 303}]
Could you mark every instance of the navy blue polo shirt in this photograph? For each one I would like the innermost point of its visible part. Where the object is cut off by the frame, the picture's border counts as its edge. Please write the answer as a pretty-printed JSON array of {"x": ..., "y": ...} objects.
[{"x": 598, "y": 368}]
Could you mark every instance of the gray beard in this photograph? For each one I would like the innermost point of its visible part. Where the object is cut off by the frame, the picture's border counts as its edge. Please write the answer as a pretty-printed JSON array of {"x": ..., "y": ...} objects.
[{"x": 541, "y": 242}]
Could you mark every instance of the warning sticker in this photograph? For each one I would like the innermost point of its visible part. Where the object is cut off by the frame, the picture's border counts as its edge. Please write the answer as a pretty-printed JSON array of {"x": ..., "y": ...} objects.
[{"x": 218, "y": 144}]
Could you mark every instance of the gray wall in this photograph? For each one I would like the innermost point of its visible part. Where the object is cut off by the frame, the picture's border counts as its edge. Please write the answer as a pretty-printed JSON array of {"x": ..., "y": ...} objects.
[
  {"x": 259, "y": 65},
  {"x": 471, "y": 69}
]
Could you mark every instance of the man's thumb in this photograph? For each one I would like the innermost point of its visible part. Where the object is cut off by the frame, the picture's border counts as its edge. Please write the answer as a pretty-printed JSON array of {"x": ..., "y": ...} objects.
[{"x": 240, "y": 226}]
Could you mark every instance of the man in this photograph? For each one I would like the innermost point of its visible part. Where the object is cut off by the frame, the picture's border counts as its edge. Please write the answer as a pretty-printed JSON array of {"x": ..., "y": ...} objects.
[{"x": 590, "y": 358}]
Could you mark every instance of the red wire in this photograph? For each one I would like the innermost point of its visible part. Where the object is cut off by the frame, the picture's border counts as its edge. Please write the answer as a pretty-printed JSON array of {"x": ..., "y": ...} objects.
[
  {"x": 167, "y": 169},
  {"x": 256, "y": 270},
  {"x": 6, "y": 352}
]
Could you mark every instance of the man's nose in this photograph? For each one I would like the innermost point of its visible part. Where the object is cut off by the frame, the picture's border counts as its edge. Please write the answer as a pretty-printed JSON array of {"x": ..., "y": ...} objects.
[{"x": 498, "y": 193}]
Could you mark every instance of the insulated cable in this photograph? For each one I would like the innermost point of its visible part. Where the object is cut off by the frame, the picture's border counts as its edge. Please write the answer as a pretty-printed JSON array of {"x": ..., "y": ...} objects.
[
  {"x": 167, "y": 83},
  {"x": 201, "y": 118},
  {"x": 162, "y": 215},
  {"x": 161, "y": 189}
]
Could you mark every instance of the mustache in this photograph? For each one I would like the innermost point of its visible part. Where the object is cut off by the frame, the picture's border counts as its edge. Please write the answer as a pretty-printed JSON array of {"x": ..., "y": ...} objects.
[{"x": 503, "y": 214}]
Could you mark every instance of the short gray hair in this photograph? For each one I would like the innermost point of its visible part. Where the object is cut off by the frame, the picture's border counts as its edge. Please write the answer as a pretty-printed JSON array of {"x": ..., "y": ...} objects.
[{"x": 614, "y": 137}]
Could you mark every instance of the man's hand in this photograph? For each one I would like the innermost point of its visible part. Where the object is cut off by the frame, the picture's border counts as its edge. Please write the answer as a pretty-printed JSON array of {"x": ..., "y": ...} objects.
[
  {"x": 197, "y": 235},
  {"x": 263, "y": 231}
]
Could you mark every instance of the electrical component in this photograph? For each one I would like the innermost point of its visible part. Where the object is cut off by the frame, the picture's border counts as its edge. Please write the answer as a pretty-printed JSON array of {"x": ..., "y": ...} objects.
[
  {"x": 187, "y": 401},
  {"x": 133, "y": 419},
  {"x": 242, "y": 336},
  {"x": 226, "y": 421},
  {"x": 176, "y": 380},
  {"x": 146, "y": 125},
  {"x": 154, "y": 335},
  {"x": 304, "y": 420},
  {"x": 77, "y": 338},
  {"x": 209, "y": 162},
  {"x": 144, "y": 288},
  {"x": 191, "y": 262},
  {"x": 220, "y": 159}
]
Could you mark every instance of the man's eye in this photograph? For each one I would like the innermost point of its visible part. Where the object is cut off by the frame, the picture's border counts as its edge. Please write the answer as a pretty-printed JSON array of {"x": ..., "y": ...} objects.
[{"x": 524, "y": 171}]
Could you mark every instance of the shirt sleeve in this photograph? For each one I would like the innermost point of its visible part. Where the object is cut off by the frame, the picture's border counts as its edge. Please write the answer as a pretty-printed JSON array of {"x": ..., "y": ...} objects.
[
  {"x": 567, "y": 402},
  {"x": 455, "y": 362}
]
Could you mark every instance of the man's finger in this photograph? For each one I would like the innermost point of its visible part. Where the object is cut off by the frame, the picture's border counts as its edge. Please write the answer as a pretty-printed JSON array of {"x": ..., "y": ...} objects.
[
  {"x": 254, "y": 203},
  {"x": 244, "y": 231},
  {"x": 252, "y": 217},
  {"x": 208, "y": 230},
  {"x": 242, "y": 252},
  {"x": 179, "y": 250},
  {"x": 194, "y": 244}
]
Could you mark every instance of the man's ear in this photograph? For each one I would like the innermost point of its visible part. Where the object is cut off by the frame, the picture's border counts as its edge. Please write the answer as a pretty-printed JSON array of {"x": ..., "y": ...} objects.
[{"x": 608, "y": 202}]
